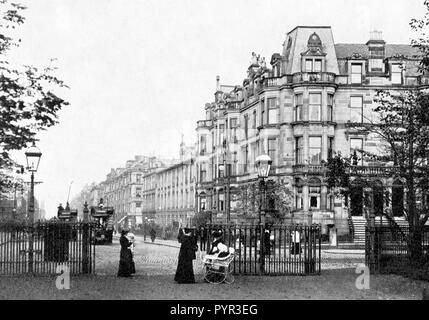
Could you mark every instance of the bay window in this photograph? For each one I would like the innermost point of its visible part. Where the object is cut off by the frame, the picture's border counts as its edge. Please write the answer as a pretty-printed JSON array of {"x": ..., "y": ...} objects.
[
  {"x": 315, "y": 106},
  {"x": 272, "y": 110},
  {"x": 315, "y": 150},
  {"x": 330, "y": 107},
  {"x": 299, "y": 150},
  {"x": 298, "y": 107}
]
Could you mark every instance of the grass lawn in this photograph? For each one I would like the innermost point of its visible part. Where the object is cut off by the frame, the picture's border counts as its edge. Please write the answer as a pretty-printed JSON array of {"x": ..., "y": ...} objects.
[{"x": 332, "y": 284}]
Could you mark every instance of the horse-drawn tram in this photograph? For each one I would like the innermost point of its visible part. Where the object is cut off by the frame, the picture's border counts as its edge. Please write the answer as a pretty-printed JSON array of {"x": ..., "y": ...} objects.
[{"x": 103, "y": 216}]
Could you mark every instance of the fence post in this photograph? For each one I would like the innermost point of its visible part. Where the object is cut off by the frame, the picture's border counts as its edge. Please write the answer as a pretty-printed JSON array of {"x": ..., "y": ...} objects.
[
  {"x": 261, "y": 249},
  {"x": 371, "y": 227},
  {"x": 85, "y": 240}
]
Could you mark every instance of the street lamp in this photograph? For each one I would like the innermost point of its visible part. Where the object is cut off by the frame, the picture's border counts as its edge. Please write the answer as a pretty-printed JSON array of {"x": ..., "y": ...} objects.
[
  {"x": 33, "y": 156},
  {"x": 263, "y": 166},
  {"x": 227, "y": 174}
]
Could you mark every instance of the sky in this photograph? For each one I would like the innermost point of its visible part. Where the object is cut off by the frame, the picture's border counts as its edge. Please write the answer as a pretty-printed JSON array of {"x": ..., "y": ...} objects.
[{"x": 140, "y": 71}]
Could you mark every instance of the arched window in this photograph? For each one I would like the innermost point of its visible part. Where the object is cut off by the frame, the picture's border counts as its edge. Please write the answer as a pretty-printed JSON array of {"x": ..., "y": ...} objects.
[
  {"x": 314, "y": 185},
  {"x": 356, "y": 198},
  {"x": 398, "y": 198}
]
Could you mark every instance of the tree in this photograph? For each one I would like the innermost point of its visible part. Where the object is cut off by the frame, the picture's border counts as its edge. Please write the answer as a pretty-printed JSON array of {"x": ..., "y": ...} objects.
[
  {"x": 403, "y": 127},
  {"x": 278, "y": 197},
  {"x": 28, "y": 102}
]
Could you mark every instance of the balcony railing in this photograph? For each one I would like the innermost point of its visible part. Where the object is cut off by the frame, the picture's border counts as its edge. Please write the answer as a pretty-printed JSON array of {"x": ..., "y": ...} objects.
[
  {"x": 204, "y": 123},
  {"x": 274, "y": 82},
  {"x": 371, "y": 170},
  {"x": 234, "y": 105},
  {"x": 313, "y": 77},
  {"x": 308, "y": 168}
]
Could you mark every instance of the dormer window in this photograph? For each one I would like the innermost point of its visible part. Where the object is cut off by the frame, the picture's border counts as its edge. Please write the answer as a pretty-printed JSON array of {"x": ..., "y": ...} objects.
[
  {"x": 356, "y": 73},
  {"x": 376, "y": 65},
  {"x": 317, "y": 65},
  {"x": 396, "y": 73},
  {"x": 313, "y": 65},
  {"x": 308, "y": 65}
]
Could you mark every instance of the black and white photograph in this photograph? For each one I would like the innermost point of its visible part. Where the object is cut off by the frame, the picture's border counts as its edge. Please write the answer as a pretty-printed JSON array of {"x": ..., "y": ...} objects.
[{"x": 218, "y": 152}]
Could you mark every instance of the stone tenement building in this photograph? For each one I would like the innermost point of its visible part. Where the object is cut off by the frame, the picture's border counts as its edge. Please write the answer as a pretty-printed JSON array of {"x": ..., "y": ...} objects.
[
  {"x": 148, "y": 188},
  {"x": 123, "y": 189},
  {"x": 299, "y": 112},
  {"x": 175, "y": 193}
]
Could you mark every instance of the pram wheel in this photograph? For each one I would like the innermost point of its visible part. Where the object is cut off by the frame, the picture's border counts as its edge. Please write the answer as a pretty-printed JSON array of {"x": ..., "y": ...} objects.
[{"x": 218, "y": 271}]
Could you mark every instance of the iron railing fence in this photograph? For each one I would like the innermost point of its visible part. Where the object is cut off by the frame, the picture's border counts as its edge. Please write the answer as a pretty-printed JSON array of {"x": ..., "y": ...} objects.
[
  {"x": 41, "y": 247},
  {"x": 275, "y": 250},
  {"x": 391, "y": 247}
]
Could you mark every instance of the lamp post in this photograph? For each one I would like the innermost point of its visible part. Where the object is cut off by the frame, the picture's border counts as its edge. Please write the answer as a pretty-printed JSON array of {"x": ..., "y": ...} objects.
[
  {"x": 33, "y": 155},
  {"x": 227, "y": 175},
  {"x": 263, "y": 166}
]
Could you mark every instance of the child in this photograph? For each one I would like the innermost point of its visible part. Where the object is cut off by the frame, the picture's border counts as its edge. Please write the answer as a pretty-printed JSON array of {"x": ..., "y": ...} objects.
[{"x": 131, "y": 238}]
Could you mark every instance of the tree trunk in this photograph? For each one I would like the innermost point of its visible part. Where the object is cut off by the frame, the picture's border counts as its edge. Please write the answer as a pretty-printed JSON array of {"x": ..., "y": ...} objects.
[
  {"x": 415, "y": 243},
  {"x": 415, "y": 229}
]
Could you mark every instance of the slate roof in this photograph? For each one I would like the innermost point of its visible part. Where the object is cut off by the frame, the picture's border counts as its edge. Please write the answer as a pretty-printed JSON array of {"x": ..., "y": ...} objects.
[{"x": 344, "y": 50}]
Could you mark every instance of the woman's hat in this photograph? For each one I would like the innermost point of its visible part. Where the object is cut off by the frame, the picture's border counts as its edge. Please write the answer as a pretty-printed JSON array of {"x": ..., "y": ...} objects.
[{"x": 217, "y": 233}]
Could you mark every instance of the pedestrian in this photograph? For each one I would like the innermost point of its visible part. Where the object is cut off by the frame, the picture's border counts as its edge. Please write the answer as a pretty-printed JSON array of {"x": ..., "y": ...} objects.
[
  {"x": 152, "y": 234},
  {"x": 126, "y": 262},
  {"x": 131, "y": 237},
  {"x": 267, "y": 242},
  {"x": 296, "y": 242},
  {"x": 185, "y": 270}
]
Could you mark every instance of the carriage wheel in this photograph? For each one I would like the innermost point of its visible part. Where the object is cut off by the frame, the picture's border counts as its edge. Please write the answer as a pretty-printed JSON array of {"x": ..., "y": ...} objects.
[
  {"x": 213, "y": 276},
  {"x": 229, "y": 277}
]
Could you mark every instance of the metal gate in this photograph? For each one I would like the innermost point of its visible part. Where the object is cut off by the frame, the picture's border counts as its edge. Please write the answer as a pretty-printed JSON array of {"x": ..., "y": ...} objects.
[
  {"x": 273, "y": 250},
  {"x": 41, "y": 247}
]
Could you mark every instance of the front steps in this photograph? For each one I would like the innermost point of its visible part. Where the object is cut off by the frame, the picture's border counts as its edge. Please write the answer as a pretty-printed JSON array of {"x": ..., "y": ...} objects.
[{"x": 359, "y": 224}]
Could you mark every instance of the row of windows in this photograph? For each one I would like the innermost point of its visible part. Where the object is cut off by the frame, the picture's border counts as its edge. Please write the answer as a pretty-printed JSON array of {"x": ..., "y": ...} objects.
[{"x": 376, "y": 65}]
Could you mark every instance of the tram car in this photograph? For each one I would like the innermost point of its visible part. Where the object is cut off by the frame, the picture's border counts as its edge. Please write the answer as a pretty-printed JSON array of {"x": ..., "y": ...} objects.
[
  {"x": 103, "y": 216},
  {"x": 67, "y": 215}
]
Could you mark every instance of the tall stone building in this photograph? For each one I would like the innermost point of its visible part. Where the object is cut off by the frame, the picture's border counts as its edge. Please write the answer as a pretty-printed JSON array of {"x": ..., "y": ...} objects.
[
  {"x": 150, "y": 189},
  {"x": 175, "y": 193},
  {"x": 299, "y": 111},
  {"x": 123, "y": 189}
]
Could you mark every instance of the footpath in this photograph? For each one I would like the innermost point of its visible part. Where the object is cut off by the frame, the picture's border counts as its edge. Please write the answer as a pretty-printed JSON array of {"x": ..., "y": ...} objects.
[{"x": 326, "y": 250}]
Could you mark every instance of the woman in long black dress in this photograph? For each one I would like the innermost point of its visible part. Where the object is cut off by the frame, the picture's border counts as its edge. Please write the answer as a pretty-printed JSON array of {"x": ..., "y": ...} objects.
[
  {"x": 185, "y": 270},
  {"x": 126, "y": 263}
]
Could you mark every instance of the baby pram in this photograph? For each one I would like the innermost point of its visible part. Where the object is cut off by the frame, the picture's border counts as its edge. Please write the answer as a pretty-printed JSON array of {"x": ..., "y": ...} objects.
[{"x": 217, "y": 270}]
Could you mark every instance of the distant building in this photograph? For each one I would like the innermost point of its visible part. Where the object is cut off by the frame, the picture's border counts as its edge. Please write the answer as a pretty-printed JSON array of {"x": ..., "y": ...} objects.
[
  {"x": 123, "y": 189},
  {"x": 175, "y": 193}
]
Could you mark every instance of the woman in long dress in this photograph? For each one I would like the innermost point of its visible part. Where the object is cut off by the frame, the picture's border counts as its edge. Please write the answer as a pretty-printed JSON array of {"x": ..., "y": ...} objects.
[
  {"x": 185, "y": 270},
  {"x": 126, "y": 263}
]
